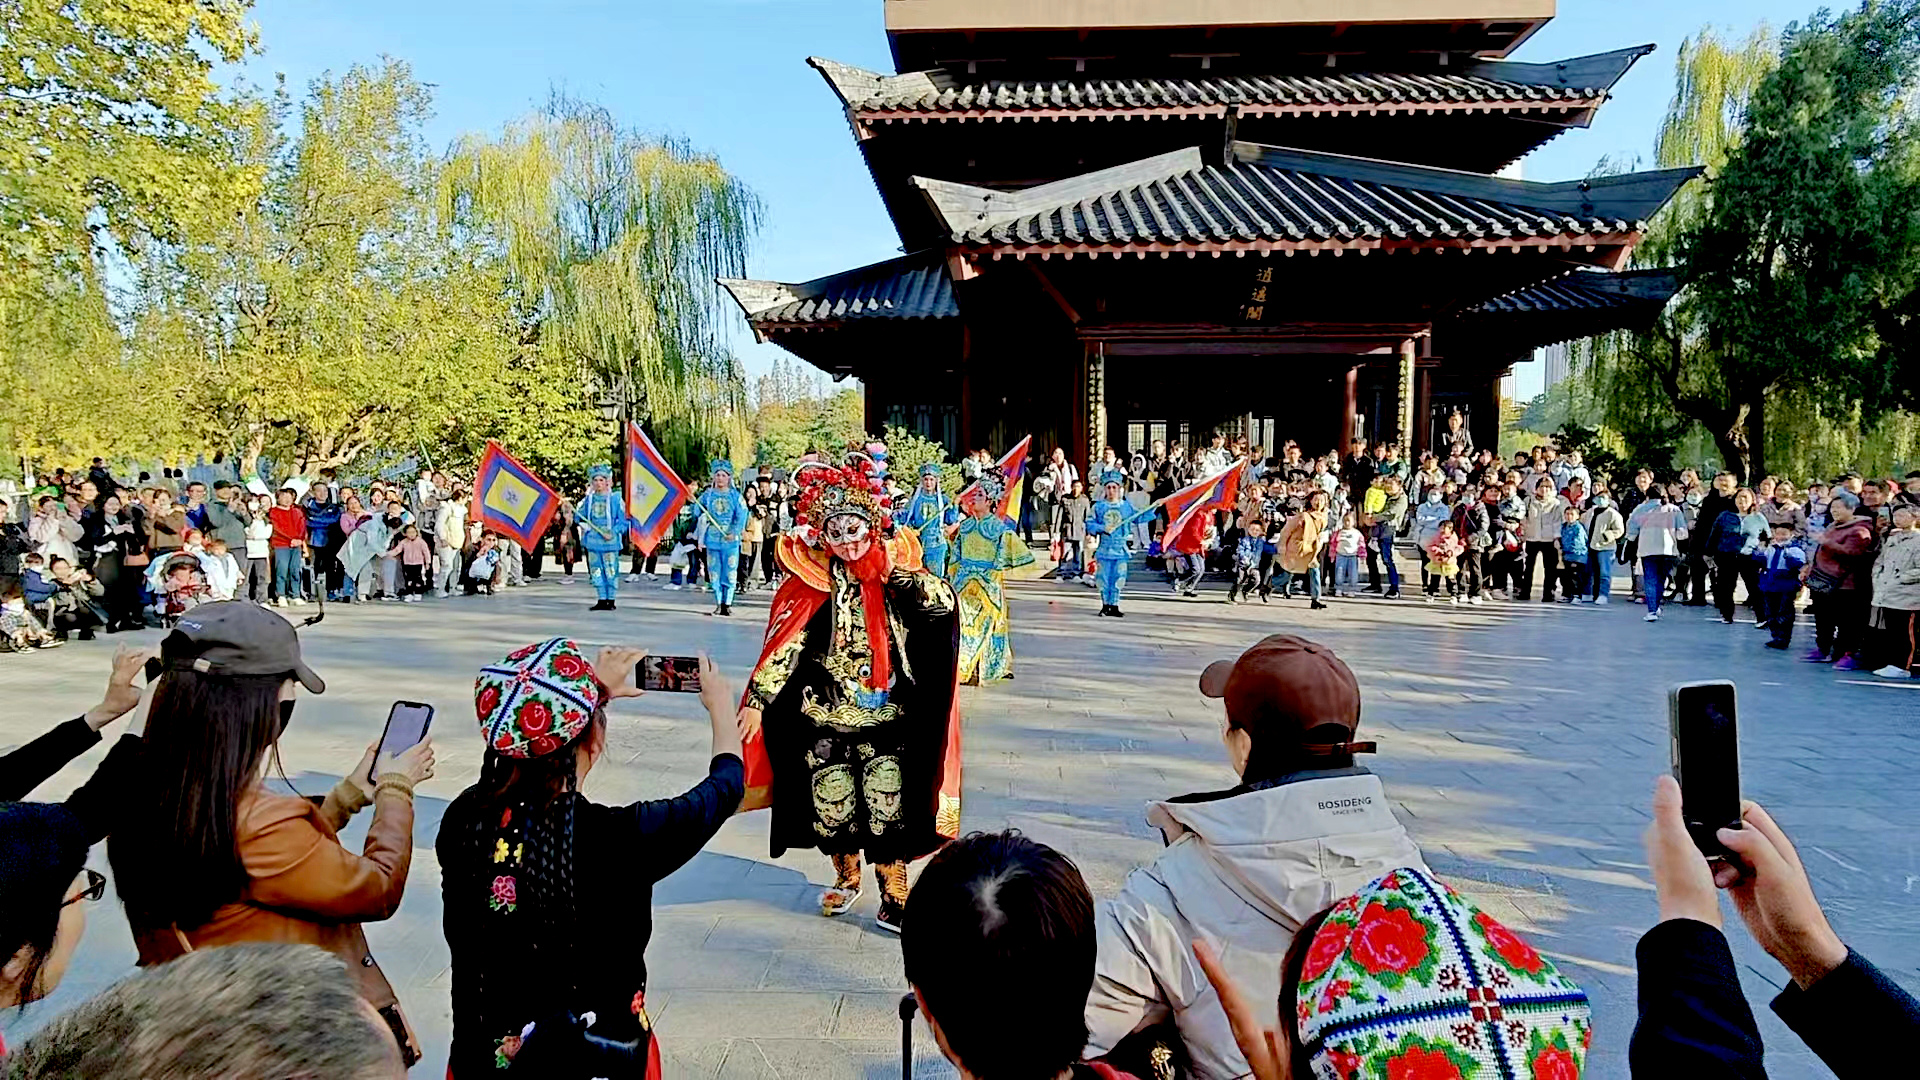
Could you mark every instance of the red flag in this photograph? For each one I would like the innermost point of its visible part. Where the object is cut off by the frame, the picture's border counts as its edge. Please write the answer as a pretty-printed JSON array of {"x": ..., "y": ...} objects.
[
  {"x": 1013, "y": 474},
  {"x": 1218, "y": 492}
]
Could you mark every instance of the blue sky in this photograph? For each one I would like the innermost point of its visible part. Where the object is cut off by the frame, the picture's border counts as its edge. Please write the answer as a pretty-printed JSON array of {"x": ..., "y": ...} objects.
[{"x": 730, "y": 75}]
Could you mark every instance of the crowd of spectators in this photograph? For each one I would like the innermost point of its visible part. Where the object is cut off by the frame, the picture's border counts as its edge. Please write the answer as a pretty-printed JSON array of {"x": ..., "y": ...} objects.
[
  {"x": 92, "y": 555},
  {"x": 1483, "y": 530}
]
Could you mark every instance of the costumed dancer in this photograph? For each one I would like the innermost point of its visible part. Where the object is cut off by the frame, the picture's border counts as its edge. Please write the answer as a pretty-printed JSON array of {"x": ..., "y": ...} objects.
[
  {"x": 602, "y": 518},
  {"x": 725, "y": 514},
  {"x": 1110, "y": 519},
  {"x": 851, "y": 724},
  {"x": 983, "y": 550},
  {"x": 933, "y": 516}
]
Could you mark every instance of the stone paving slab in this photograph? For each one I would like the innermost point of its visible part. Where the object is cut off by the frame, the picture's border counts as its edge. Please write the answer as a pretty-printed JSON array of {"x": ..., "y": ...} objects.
[{"x": 1518, "y": 742}]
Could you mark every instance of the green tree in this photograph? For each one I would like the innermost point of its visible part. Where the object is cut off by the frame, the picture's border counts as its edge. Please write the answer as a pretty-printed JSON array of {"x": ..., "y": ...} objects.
[
  {"x": 1813, "y": 226},
  {"x": 610, "y": 242}
]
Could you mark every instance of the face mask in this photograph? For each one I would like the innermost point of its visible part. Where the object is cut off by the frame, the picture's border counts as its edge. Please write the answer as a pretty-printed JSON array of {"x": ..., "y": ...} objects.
[
  {"x": 1433, "y": 496},
  {"x": 1600, "y": 501},
  {"x": 1693, "y": 498}
]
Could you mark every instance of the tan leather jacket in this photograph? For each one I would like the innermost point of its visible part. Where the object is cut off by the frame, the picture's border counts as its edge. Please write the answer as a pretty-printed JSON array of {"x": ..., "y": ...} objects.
[{"x": 303, "y": 887}]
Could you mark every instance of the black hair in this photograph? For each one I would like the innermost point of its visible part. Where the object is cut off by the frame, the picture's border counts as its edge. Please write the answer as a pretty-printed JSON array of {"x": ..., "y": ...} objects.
[
  {"x": 176, "y": 853},
  {"x": 45, "y": 847},
  {"x": 1000, "y": 947},
  {"x": 529, "y": 805},
  {"x": 1291, "y": 967}
]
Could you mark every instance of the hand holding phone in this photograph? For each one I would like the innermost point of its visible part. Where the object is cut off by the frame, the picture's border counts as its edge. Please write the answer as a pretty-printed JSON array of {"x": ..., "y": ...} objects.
[
  {"x": 673, "y": 674},
  {"x": 1706, "y": 760},
  {"x": 407, "y": 724}
]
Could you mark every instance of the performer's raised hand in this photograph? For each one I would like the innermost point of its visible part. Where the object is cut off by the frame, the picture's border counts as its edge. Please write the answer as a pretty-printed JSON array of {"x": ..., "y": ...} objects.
[{"x": 616, "y": 668}]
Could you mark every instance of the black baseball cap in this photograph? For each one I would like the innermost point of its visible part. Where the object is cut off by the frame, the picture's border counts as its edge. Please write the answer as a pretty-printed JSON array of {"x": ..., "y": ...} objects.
[{"x": 238, "y": 637}]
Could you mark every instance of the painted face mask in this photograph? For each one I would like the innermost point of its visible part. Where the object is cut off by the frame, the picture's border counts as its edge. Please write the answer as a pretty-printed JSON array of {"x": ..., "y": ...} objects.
[{"x": 848, "y": 537}]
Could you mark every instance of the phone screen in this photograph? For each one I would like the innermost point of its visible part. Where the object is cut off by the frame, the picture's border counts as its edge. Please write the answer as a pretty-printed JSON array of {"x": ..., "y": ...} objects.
[
  {"x": 677, "y": 674},
  {"x": 407, "y": 724},
  {"x": 1706, "y": 760}
]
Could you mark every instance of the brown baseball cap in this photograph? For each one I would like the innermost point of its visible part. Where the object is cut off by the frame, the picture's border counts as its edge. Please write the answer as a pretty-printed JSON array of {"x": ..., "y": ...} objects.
[
  {"x": 1287, "y": 682},
  {"x": 238, "y": 637}
]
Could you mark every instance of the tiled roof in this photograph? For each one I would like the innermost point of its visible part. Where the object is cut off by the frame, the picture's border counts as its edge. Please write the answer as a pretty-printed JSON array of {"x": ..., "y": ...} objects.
[
  {"x": 1586, "y": 291},
  {"x": 1269, "y": 198},
  {"x": 910, "y": 287},
  {"x": 1581, "y": 82}
]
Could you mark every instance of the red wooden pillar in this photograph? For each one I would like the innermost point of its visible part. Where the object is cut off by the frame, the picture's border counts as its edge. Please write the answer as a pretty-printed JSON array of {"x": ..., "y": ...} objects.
[{"x": 1350, "y": 405}]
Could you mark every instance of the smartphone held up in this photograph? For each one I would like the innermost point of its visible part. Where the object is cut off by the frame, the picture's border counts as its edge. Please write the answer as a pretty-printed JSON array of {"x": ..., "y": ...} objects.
[
  {"x": 675, "y": 674},
  {"x": 1706, "y": 760},
  {"x": 407, "y": 724}
]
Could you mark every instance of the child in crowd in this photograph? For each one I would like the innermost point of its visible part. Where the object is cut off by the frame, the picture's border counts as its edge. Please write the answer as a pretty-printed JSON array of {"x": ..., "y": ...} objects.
[
  {"x": 221, "y": 570},
  {"x": 1780, "y": 565},
  {"x": 414, "y": 556},
  {"x": 1818, "y": 517},
  {"x": 1443, "y": 561},
  {"x": 37, "y": 580},
  {"x": 259, "y": 551},
  {"x": 1573, "y": 556},
  {"x": 19, "y": 630},
  {"x": 1246, "y": 562},
  {"x": 1347, "y": 546},
  {"x": 182, "y": 588}
]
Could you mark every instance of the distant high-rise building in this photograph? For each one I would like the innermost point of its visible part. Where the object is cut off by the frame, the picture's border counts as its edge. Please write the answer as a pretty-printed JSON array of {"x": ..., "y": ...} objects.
[{"x": 1559, "y": 363}]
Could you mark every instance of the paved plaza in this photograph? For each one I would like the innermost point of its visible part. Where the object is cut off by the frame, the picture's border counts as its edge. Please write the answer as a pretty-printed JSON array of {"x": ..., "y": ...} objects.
[{"x": 1518, "y": 742}]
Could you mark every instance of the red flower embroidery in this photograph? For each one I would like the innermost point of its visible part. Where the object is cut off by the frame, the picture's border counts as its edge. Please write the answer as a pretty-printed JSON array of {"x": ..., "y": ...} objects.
[
  {"x": 522, "y": 654},
  {"x": 542, "y": 745},
  {"x": 505, "y": 894},
  {"x": 569, "y": 666},
  {"x": 1389, "y": 940},
  {"x": 1508, "y": 946},
  {"x": 1420, "y": 1063},
  {"x": 488, "y": 701},
  {"x": 1345, "y": 1066},
  {"x": 504, "y": 741},
  {"x": 1327, "y": 946},
  {"x": 1586, "y": 1039},
  {"x": 534, "y": 717},
  {"x": 1553, "y": 1063},
  {"x": 1330, "y": 997},
  {"x": 1305, "y": 1009}
]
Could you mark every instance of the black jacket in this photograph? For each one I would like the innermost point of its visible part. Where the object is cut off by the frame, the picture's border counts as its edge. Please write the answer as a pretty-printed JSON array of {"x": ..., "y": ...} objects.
[
  {"x": 93, "y": 804},
  {"x": 14, "y": 545},
  {"x": 619, "y": 852},
  {"x": 1694, "y": 1021}
]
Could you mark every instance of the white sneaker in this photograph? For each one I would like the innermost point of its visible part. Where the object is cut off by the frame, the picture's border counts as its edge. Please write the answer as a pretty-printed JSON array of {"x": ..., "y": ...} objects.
[
  {"x": 1601, "y": 600},
  {"x": 1090, "y": 583},
  {"x": 673, "y": 587},
  {"x": 1454, "y": 600},
  {"x": 1652, "y": 616},
  {"x": 1427, "y": 599},
  {"x": 446, "y": 592},
  {"x": 297, "y": 602},
  {"x": 1894, "y": 671},
  {"x": 633, "y": 579},
  {"x": 278, "y": 601},
  {"x": 1475, "y": 601}
]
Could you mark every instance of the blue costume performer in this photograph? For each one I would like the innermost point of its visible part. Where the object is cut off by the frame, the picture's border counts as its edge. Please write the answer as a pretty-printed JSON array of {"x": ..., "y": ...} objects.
[
  {"x": 1109, "y": 520},
  {"x": 983, "y": 550},
  {"x": 724, "y": 522},
  {"x": 931, "y": 514},
  {"x": 602, "y": 520}
]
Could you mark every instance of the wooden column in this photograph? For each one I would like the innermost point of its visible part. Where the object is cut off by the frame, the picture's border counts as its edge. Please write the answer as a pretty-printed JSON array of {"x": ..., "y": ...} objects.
[
  {"x": 1094, "y": 386},
  {"x": 968, "y": 440},
  {"x": 1408, "y": 367},
  {"x": 1422, "y": 410},
  {"x": 1349, "y": 408}
]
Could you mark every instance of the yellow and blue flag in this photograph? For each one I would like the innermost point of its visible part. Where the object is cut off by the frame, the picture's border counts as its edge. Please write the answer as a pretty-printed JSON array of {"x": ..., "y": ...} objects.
[
  {"x": 655, "y": 493},
  {"x": 513, "y": 502}
]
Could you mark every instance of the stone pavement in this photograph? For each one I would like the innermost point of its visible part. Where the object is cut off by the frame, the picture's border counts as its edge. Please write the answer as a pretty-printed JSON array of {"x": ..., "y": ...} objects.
[{"x": 1518, "y": 741}]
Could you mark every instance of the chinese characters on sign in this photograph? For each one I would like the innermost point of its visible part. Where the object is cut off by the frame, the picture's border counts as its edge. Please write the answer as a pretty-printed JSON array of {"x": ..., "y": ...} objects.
[{"x": 1255, "y": 309}]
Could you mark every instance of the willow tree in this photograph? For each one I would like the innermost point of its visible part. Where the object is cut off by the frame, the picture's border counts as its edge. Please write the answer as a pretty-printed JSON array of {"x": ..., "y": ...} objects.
[
  {"x": 611, "y": 241},
  {"x": 1658, "y": 383}
]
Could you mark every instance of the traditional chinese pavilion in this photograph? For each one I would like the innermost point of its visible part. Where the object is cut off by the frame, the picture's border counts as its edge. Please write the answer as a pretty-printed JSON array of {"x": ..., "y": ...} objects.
[{"x": 1139, "y": 219}]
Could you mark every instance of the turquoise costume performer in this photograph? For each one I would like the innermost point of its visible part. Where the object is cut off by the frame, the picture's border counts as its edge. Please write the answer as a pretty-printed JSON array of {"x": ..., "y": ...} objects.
[
  {"x": 983, "y": 550},
  {"x": 602, "y": 520},
  {"x": 930, "y": 514},
  {"x": 725, "y": 522},
  {"x": 1109, "y": 520}
]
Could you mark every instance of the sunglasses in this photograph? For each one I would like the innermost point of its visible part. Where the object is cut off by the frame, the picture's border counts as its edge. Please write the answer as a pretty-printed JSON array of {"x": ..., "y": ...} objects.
[{"x": 96, "y": 888}]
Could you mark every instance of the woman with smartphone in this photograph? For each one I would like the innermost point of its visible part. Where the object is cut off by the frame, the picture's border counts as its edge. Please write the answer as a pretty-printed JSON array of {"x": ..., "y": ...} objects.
[
  {"x": 547, "y": 895},
  {"x": 204, "y": 854}
]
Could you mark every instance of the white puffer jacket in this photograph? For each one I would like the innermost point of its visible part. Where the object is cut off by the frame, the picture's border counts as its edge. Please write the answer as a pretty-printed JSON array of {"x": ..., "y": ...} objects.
[{"x": 1241, "y": 872}]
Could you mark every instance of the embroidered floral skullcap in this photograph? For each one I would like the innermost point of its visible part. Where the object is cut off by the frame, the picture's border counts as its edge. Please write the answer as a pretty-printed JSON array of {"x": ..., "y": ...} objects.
[
  {"x": 1406, "y": 978},
  {"x": 537, "y": 699}
]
